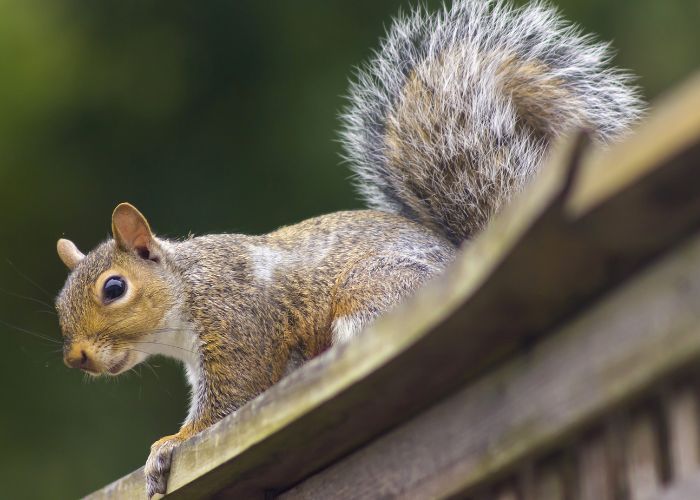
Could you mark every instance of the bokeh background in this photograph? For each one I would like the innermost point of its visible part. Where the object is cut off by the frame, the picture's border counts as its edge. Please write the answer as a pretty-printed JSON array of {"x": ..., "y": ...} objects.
[{"x": 214, "y": 116}]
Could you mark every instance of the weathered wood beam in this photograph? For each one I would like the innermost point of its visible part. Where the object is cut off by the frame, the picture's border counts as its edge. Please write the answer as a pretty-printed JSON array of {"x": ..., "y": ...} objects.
[
  {"x": 626, "y": 344},
  {"x": 551, "y": 252},
  {"x": 688, "y": 489}
]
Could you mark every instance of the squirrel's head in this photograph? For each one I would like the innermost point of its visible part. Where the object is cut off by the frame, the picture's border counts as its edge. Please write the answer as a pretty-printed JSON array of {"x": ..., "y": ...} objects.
[{"x": 116, "y": 297}]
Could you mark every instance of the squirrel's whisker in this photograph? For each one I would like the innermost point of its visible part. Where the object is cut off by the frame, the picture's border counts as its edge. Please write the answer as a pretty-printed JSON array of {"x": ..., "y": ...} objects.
[
  {"x": 26, "y": 297},
  {"x": 42, "y": 311},
  {"x": 148, "y": 365},
  {"x": 163, "y": 344},
  {"x": 134, "y": 350},
  {"x": 29, "y": 280},
  {"x": 29, "y": 332}
]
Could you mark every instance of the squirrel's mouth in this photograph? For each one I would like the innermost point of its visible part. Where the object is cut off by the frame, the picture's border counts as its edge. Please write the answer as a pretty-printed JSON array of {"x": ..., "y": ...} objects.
[{"x": 119, "y": 365}]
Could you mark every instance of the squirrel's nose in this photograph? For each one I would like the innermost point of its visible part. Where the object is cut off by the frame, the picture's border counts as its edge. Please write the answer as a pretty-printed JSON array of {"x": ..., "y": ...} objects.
[{"x": 79, "y": 357}]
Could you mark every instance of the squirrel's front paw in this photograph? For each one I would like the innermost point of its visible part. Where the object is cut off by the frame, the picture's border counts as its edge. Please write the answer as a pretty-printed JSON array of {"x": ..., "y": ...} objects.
[{"x": 158, "y": 464}]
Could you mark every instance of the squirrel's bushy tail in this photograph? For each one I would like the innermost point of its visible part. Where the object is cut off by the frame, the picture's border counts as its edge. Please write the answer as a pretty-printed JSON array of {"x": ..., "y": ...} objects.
[{"x": 457, "y": 109}]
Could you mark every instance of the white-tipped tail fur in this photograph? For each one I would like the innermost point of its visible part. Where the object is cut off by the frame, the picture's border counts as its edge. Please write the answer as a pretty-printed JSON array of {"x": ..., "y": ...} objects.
[{"x": 457, "y": 109}]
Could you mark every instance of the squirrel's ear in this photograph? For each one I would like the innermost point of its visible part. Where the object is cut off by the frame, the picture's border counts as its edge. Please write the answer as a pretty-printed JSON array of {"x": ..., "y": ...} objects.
[
  {"x": 132, "y": 232},
  {"x": 69, "y": 253}
]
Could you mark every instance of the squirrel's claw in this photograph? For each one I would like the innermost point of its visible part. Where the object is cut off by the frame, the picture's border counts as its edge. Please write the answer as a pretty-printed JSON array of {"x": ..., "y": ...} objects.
[{"x": 157, "y": 467}]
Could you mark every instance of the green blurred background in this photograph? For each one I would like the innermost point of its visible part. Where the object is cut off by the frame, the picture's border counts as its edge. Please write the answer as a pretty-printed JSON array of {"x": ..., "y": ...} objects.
[{"x": 210, "y": 117}]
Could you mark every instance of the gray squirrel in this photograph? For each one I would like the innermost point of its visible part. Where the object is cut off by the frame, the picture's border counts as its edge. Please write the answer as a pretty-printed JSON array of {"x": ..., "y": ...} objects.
[{"x": 453, "y": 116}]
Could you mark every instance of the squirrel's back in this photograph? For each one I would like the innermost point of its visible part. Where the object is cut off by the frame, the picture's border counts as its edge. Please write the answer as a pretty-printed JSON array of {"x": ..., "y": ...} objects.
[{"x": 457, "y": 109}]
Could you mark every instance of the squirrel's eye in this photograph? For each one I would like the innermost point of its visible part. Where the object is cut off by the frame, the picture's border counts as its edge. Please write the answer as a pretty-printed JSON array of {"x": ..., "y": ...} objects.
[{"x": 114, "y": 288}]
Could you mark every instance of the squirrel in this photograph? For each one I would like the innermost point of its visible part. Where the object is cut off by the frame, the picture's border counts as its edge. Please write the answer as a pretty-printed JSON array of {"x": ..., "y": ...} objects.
[{"x": 452, "y": 116}]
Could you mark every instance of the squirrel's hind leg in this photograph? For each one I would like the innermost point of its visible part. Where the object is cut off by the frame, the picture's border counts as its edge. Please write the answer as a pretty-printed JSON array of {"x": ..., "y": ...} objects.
[{"x": 372, "y": 287}]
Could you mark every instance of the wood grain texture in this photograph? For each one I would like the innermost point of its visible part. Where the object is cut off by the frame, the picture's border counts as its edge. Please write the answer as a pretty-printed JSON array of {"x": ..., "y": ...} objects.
[
  {"x": 553, "y": 251},
  {"x": 595, "y": 474},
  {"x": 607, "y": 357},
  {"x": 615, "y": 430},
  {"x": 129, "y": 486},
  {"x": 643, "y": 458},
  {"x": 507, "y": 493},
  {"x": 549, "y": 484},
  {"x": 687, "y": 489},
  {"x": 684, "y": 433}
]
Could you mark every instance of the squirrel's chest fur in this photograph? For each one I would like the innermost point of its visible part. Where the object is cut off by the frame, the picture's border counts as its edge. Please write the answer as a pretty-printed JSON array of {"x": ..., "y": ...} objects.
[{"x": 290, "y": 294}]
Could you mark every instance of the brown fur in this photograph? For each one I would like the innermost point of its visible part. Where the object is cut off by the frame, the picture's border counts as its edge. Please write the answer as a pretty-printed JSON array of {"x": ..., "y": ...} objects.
[{"x": 252, "y": 305}]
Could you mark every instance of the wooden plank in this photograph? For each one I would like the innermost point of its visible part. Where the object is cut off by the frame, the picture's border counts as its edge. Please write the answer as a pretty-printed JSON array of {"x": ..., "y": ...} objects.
[
  {"x": 604, "y": 359},
  {"x": 684, "y": 430},
  {"x": 525, "y": 481},
  {"x": 595, "y": 478},
  {"x": 130, "y": 486},
  {"x": 674, "y": 125},
  {"x": 506, "y": 493},
  {"x": 353, "y": 393},
  {"x": 615, "y": 426},
  {"x": 687, "y": 489},
  {"x": 550, "y": 484},
  {"x": 643, "y": 458}
]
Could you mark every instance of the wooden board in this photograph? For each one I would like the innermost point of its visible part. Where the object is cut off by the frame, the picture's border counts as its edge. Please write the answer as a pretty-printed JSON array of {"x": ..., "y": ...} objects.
[
  {"x": 535, "y": 403},
  {"x": 688, "y": 489}
]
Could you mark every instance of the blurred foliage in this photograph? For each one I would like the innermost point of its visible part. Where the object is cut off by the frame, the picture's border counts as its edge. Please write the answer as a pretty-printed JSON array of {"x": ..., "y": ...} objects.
[{"x": 210, "y": 117}]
